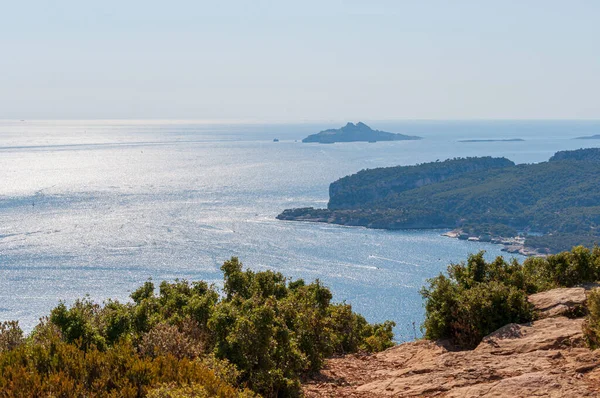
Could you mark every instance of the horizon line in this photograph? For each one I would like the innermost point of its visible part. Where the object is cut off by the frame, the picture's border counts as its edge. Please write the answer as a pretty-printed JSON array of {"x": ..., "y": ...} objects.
[{"x": 305, "y": 121}]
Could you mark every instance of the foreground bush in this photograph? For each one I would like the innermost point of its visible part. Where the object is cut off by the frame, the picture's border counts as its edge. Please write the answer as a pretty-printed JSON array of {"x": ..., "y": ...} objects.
[
  {"x": 11, "y": 335},
  {"x": 591, "y": 326},
  {"x": 566, "y": 269},
  {"x": 478, "y": 297},
  {"x": 58, "y": 369},
  {"x": 262, "y": 332}
]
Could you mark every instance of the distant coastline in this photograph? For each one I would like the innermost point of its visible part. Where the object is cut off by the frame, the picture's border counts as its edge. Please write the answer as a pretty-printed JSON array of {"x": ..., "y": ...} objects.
[
  {"x": 495, "y": 140},
  {"x": 589, "y": 137}
]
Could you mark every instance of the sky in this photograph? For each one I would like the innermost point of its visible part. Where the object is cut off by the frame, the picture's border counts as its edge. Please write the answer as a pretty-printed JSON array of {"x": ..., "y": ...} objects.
[{"x": 294, "y": 61}]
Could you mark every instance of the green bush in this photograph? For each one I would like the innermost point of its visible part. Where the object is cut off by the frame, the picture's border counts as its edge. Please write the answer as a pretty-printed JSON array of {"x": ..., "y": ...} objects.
[
  {"x": 478, "y": 297},
  {"x": 263, "y": 331},
  {"x": 591, "y": 326},
  {"x": 190, "y": 391},
  {"x": 55, "y": 368},
  {"x": 274, "y": 330},
  {"x": 566, "y": 269},
  {"x": 79, "y": 324},
  {"x": 486, "y": 307},
  {"x": 11, "y": 335},
  {"x": 475, "y": 299}
]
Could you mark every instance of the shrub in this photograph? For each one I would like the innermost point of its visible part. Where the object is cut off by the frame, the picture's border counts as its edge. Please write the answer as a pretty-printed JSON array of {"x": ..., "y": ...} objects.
[
  {"x": 591, "y": 326},
  {"x": 274, "y": 330},
  {"x": 11, "y": 335},
  {"x": 174, "y": 391},
  {"x": 486, "y": 307},
  {"x": 568, "y": 269},
  {"x": 475, "y": 299},
  {"x": 352, "y": 333},
  {"x": 264, "y": 332},
  {"x": 190, "y": 391},
  {"x": 224, "y": 369},
  {"x": 114, "y": 321},
  {"x": 78, "y": 324},
  {"x": 165, "y": 339},
  {"x": 61, "y": 369}
]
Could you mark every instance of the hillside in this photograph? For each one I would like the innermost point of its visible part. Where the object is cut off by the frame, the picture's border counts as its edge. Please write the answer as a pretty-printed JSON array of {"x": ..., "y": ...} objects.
[
  {"x": 368, "y": 187},
  {"x": 356, "y": 132},
  {"x": 555, "y": 203}
]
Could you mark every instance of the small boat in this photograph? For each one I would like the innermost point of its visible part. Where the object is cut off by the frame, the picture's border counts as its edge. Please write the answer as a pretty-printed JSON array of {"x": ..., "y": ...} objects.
[{"x": 275, "y": 140}]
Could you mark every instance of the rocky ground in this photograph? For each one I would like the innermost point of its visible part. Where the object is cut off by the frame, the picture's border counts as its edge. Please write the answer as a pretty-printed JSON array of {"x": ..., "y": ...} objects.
[{"x": 546, "y": 358}]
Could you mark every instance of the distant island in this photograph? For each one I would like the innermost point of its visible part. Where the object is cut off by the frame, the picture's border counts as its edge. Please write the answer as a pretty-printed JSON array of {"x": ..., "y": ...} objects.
[
  {"x": 358, "y": 132},
  {"x": 589, "y": 137},
  {"x": 538, "y": 208},
  {"x": 495, "y": 140}
]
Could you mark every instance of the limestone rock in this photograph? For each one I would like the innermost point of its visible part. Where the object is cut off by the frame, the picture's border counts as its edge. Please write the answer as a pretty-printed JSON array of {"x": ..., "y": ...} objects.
[
  {"x": 561, "y": 301},
  {"x": 546, "y": 358},
  {"x": 557, "y": 301}
]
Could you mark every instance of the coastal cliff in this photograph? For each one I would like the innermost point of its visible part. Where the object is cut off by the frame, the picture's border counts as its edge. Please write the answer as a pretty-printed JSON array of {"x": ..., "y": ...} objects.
[{"x": 552, "y": 205}]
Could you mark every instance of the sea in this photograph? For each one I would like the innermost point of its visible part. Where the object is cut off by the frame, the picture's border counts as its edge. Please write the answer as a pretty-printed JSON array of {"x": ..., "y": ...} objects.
[{"x": 98, "y": 207}]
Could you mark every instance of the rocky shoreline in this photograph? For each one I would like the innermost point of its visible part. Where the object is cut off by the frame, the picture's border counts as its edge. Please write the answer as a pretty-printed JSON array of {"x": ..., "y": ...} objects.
[
  {"x": 514, "y": 244},
  {"x": 354, "y": 218}
]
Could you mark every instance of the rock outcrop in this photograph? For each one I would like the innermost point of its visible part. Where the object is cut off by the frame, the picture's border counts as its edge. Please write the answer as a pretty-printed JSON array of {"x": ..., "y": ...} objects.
[
  {"x": 546, "y": 358},
  {"x": 563, "y": 301}
]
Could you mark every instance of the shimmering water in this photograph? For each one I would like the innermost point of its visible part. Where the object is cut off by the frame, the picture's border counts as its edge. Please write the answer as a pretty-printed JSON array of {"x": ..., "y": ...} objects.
[{"x": 98, "y": 207}]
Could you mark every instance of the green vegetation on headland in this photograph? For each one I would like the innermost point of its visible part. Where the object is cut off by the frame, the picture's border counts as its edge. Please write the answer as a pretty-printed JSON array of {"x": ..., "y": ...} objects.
[
  {"x": 476, "y": 298},
  {"x": 259, "y": 335},
  {"x": 356, "y": 132},
  {"x": 554, "y": 204}
]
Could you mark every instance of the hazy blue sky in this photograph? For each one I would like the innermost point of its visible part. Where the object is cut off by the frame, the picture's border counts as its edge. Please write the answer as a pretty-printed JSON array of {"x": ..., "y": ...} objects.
[{"x": 300, "y": 60}]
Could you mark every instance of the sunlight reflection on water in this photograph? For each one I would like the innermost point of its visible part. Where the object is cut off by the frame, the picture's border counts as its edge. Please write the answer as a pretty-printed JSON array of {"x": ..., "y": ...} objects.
[{"x": 99, "y": 207}]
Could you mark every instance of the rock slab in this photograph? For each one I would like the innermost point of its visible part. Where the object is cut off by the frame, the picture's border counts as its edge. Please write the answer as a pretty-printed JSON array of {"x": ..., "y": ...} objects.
[{"x": 546, "y": 358}]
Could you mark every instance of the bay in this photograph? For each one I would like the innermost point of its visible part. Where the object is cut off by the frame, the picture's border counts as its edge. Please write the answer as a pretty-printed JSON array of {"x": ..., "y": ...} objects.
[{"x": 98, "y": 207}]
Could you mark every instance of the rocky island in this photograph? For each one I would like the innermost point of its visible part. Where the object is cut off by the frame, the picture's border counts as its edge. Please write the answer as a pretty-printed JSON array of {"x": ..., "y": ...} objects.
[
  {"x": 538, "y": 208},
  {"x": 354, "y": 133}
]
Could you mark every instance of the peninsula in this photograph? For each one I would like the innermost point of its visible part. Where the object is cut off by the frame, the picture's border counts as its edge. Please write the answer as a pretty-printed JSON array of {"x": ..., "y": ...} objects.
[
  {"x": 358, "y": 132},
  {"x": 538, "y": 208}
]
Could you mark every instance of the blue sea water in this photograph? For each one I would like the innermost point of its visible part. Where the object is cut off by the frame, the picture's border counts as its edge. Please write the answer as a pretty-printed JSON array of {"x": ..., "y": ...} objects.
[{"x": 98, "y": 207}]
